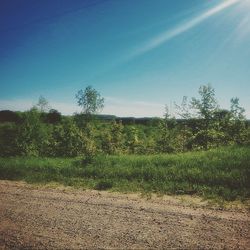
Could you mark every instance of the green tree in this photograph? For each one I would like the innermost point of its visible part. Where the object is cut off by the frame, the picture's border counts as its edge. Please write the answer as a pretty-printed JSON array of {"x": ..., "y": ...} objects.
[
  {"x": 53, "y": 117},
  {"x": 89, "y": 143},
  {"x": 205, "y": 108},
  {"x": 236, "y": 110},
  {"x": 238, "y": 122},
  {"x": 8, "y": 136},
  {"x": 132, "y": 139},
  {"x": 113, "y": 138},
  {"x": 183, "y": 110},
  {"x": 32, "y": 138},
  {"x": 223, "y": 124},
  {"x": 90, "y": 101},
  {"x": 42, "y": 105},
  {"x": 69, "y": 140},
  {"x": 207, "y": 104},
  {"x": 167, "y": 130}
]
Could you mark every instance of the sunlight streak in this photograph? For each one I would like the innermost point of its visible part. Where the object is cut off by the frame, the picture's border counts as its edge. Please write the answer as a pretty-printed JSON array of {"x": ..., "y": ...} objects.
[{"x": 169, "y": 34}]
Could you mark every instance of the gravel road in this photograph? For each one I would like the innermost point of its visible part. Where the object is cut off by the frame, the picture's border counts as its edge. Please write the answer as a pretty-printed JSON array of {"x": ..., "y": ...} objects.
[{"x": 46, "y": 218}]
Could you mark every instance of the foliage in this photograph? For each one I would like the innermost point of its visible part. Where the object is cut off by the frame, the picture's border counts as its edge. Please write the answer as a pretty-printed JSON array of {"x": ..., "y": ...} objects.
[
  {"x": 42, "y": 105},
  {"x": 132, "y": 140},
  {"x": 113, "y": 139},
  {"x": 204, "y": 125},
  {"x": 8, "y": 135},
  {"x": 127, "y": 155},
  {"x": 207, "y": 104},
  {"x": 222, "y": 172},
  {"x": 66, "y": 140},
  {"x": 90, "y": 100},
  {"x": 167, "y": 134},
  {"x": 53, "y": 117},
  {"x": 205, "y": 107},
  {"x": 9, "y": 116},
  {"x": 237, "y": 125},
  {"x": 32, "y": 135}
]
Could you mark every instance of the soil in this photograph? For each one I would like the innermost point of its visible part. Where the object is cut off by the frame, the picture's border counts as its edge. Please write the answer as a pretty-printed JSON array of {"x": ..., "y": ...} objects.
[{"x": 34, "y": 217}]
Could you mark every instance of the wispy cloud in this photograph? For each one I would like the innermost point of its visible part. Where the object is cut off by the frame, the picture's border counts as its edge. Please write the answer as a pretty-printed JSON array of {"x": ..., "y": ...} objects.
[
  {"x": 243, "y": 29},
  {"x": 171, "y": 33}
]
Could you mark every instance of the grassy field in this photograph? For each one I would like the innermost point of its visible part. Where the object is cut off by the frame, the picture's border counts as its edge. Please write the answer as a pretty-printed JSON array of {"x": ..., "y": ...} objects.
[{"x": 220, "y": 173}]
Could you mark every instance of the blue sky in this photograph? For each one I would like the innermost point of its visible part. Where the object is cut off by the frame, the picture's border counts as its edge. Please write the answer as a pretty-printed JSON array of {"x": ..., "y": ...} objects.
[{"x": 139, "y": 54}]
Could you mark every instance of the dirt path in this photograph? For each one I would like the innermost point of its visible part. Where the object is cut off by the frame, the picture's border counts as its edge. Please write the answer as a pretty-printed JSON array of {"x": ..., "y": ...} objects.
[{"x": 48, "y": 218}]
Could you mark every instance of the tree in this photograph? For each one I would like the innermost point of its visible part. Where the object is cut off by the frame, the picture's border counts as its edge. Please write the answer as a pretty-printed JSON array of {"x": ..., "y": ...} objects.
[
  {"x": 236, "y": 110},
  {"x": 132, "y": 140},
  {"x": 205, "y": 107},
  {"x": 32, "y": 134},
  {"x": 8, "y": 135},
  {"x": 90, "y": 101},
  {"x": 9, "y": 116},
  {"x": 183, "y": 110},
  {"x": 238, "y": 121},
  {"x": 166, "y": 140},
  {"x": 53, "y": 117},
  {"x": 43, "y": 104},
  {"x": 207, "y": 104}
]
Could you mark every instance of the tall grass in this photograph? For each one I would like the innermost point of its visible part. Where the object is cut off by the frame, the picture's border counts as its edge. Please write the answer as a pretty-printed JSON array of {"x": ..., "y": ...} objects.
[{"x": 222, "y": 172}]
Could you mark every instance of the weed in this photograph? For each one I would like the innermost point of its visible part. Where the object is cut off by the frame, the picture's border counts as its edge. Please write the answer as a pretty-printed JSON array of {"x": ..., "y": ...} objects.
[{"x": 222, "y": 173}]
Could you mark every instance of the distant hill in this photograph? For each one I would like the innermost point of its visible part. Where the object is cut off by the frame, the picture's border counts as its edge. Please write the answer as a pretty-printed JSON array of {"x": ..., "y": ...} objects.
[
  {"x": 129, "y": 120},
  {"x": 16, "y": 116}
]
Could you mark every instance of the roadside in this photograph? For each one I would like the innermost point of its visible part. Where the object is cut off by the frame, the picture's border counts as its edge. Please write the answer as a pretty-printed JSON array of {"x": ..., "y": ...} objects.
[{"x": 35, "y": 217}]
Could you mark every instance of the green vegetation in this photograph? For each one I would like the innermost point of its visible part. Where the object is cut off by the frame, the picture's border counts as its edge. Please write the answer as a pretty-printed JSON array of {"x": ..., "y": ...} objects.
[
  {"x": 49, "y": 134},
  {"x": 205, "y": 153},
  {"x": 219, "y": 173}
]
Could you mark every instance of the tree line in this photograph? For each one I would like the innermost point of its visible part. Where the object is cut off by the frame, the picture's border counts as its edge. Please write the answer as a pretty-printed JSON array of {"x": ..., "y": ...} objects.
[{"x": 43, "y": 131}]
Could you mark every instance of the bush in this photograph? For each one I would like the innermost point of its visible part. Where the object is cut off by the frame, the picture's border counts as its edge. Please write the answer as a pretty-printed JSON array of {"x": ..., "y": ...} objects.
[{"x": 8, "y": 136}]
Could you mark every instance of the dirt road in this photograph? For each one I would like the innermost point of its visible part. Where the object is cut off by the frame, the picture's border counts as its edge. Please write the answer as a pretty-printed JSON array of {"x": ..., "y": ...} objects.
[{"x": 32, "y": 217}]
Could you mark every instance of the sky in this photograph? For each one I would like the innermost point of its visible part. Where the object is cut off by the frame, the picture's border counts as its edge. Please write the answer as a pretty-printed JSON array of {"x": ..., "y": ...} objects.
[{"x": 139, "y": 54}]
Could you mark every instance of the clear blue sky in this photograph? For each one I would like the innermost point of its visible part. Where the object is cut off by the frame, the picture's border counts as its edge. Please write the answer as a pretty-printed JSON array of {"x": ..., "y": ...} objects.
[{"x": 139, "y": 54}]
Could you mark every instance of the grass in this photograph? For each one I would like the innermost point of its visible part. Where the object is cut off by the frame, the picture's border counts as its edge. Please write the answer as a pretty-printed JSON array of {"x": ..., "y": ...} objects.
[{"x": 222, "y": 173}]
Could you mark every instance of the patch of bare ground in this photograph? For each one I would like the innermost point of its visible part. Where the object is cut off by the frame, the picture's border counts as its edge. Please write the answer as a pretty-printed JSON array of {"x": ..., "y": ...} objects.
[{"x": 56, "y": 218}]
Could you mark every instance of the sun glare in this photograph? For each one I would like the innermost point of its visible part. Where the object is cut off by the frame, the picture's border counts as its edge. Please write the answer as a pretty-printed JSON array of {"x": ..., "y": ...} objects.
[
  {"x": 245, "y": 4},
  {"x": 243, "y": 29}
]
